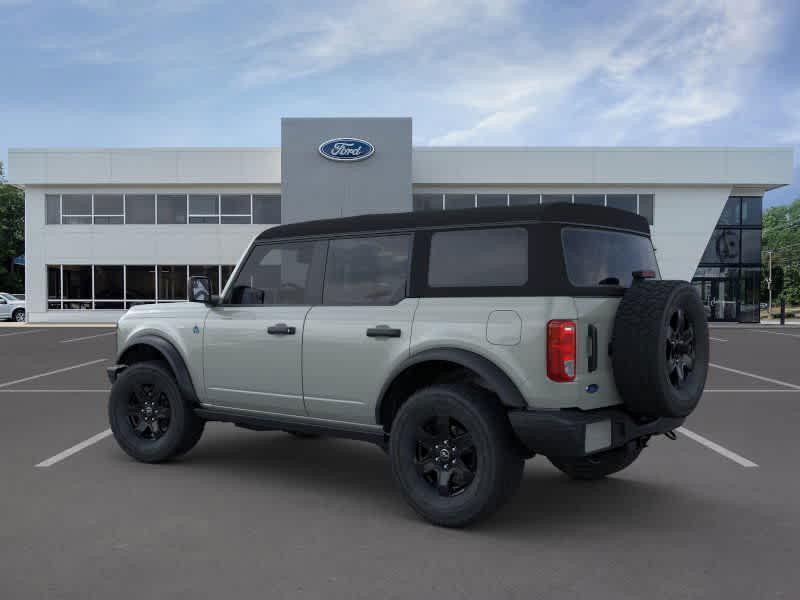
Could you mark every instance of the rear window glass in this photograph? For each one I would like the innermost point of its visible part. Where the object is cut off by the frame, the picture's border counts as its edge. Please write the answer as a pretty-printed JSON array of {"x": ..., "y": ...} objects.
[
  {"x": 598, "y": 258},
  {"x": 479, "y": 258}
]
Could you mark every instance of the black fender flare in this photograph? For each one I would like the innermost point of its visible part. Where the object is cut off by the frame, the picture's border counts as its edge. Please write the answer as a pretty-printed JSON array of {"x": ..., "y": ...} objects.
[
  {"x": 173, "y": 358},
  {"x": 494, "y": 376}
]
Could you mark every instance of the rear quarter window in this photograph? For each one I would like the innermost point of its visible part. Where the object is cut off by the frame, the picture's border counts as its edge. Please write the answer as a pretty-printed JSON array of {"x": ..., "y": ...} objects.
[
  {"x": 474, "y": 258},
  {"x": 605, "y": 259}
]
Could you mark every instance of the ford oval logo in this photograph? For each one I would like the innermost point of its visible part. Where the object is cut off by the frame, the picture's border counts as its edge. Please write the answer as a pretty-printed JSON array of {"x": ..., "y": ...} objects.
[{"x": 346, "y": 149}]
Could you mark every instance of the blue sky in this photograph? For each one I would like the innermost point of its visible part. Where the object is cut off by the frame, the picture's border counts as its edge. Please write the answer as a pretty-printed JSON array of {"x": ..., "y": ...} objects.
[{"x": 470, "y": 72}]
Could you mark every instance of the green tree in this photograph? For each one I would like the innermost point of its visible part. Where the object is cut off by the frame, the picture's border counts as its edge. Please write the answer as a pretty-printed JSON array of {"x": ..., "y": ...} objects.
[
  {"x": 12, "y": 235},
  {"x": 781, "y": 235}
]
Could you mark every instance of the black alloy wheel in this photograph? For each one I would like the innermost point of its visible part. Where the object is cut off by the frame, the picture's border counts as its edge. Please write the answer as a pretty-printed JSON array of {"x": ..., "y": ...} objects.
[
  {"x": 150, "y": 418},
  {"x": 148, "y": 411},
  {"x": 445, "y": 457},
  {"x": 454, "y": 454},
  {"x": 680, "y": 347}
]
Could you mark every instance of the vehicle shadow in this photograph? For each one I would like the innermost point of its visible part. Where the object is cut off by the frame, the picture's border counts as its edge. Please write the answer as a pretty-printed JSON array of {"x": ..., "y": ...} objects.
[{"x": 547, "y": 503}]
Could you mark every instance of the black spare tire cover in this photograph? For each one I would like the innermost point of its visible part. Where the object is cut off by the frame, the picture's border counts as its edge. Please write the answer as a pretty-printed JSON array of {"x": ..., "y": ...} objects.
[{"x": 660, "y": 348}]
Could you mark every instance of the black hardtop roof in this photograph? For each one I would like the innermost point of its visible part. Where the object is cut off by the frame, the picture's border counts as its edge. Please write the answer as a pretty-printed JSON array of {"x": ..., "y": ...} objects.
[{"x": 578, "y": 214}]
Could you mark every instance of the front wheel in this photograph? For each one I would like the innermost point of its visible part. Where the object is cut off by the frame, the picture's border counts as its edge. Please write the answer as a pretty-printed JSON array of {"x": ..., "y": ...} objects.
[
  {"x": 597, "y": 466},
  {"x": 19, "y": 315},
  {"x": 149, "y": 418},
  {"x": 453, "y": 454}
]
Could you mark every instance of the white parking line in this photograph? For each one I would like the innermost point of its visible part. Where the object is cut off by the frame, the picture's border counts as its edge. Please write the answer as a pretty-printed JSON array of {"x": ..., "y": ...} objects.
[
  {"x": 24, "y": 379},
  {"x": 794, "y": 335},
  {"x": 754, "y": 376},
  {"x": 27, "y": 331},
  {"x": 87, "y": 337},
  {"x": 738, "y": 459},
  {"x": 74, "y": 391},
  {"x": 717, "y": 339},
  {"x": 49, "y": 462}
]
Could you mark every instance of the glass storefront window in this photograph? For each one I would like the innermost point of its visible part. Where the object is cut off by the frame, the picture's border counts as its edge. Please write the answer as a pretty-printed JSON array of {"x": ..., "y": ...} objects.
[
  {"x": 622, "y": 202},
  {"x": 751, "y": 211},
  {"x": 751, "y": 246},
  {"x": 172, "y": 282},
  {"x": 140, "y": 282},
  {"x": 730, "y": 214},
  {"x": 749, "y": 295},
  {"x": 723, "y": 247},
  {"x": 456, "y": 201},
  {"x": 718, "y": 289}
]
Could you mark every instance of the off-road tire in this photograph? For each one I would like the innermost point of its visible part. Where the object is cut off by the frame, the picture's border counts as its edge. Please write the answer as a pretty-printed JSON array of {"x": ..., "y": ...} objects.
[
  {"x": 184, "y": 427},
  {"x": 641, "y": 349},
  {"x": 499, "y": 462},
  {"x": 598, "y": 466},
  {"x": 18, "y": 316}
]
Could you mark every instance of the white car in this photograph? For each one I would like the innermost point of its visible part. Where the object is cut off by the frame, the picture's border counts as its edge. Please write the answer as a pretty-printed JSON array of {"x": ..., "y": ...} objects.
[{"x": 12, "y": 308}]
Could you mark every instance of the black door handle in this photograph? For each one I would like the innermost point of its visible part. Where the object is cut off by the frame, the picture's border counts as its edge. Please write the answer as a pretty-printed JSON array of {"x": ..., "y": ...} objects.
[
  {"x": 280, "y": 329},
  {"x": 383, "y": 331}
]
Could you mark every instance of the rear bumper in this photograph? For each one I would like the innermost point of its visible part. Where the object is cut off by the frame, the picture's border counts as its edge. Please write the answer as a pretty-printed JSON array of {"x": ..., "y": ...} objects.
[{"x": 575, "y": 432}]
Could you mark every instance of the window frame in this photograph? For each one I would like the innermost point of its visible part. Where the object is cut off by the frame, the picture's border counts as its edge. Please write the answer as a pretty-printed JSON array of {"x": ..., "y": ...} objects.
[{"x": 410, "y": 234}]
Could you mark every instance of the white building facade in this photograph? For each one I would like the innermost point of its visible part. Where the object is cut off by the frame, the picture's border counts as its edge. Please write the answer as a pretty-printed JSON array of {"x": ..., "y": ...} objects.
[{"x": 109, "y": 228}]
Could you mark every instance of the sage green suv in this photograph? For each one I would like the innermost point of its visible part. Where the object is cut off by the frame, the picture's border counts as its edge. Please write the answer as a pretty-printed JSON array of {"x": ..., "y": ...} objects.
[{"x": 462, "y": 342}]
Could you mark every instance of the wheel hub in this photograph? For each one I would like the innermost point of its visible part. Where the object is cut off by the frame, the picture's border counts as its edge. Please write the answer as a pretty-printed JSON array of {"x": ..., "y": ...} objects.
[
  {"x": 446, "y": 457},
  {"x": 148, "y": 411}
]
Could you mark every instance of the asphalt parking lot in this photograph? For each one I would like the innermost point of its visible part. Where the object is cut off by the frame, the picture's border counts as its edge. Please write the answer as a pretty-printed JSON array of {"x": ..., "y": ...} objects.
[{"x": 713, "y": 514}]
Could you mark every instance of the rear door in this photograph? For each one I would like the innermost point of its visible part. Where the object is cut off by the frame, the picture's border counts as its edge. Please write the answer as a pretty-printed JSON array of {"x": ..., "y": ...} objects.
[
  {"x": 253, "y": 341},
  {"x": 362, "y": 329}
]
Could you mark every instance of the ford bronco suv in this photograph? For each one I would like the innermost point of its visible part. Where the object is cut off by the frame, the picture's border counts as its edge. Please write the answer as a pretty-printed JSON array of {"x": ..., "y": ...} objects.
[{"x": 462, "y": 342}]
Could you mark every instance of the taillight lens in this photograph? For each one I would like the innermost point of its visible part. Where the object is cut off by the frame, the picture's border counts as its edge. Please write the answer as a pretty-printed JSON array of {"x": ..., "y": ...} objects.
[{"x": 561, "y": 351}]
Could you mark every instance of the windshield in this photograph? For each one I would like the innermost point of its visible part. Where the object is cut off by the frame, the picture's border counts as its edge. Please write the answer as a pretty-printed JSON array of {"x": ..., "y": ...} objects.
[{"x": 606, "y": 258}]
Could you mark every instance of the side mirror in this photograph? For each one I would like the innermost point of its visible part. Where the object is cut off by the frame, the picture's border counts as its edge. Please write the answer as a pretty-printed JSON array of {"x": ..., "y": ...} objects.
[{"x": 200, "y": 290}]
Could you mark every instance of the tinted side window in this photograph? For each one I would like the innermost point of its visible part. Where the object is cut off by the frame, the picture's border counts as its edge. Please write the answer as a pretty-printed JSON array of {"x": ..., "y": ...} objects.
[
  {"x": 369, "y": 270},
  {"x": 597, "y": 258},
  {"x": 479, "y": 258},
  {"x": 280, "y": 273}
]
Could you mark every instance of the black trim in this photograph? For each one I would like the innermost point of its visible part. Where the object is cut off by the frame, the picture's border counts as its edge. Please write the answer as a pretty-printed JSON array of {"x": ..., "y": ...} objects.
[
  {"x": 173, "y": 357},
  {"x": 563, "y": 432},
  {"x": 578, "y": 214},
  {"x": 271, "y": 423},
  {"x": 494, "y": 377}
]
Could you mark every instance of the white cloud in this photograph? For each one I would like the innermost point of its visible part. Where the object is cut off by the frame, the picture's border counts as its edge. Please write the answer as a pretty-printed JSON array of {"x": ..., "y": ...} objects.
[
  {"x": 496, "y": 122},
  {"x": 677, "y": 66},
  {"x": 302, "y": 45}
]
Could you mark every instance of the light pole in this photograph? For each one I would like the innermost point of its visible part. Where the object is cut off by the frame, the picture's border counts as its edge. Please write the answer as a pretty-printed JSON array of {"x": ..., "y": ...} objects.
[{"x": 769, "y": 285}]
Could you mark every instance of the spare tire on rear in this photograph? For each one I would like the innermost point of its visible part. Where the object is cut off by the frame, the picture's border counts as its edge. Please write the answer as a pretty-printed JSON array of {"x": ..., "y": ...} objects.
[{"x": 660, "y": 348}]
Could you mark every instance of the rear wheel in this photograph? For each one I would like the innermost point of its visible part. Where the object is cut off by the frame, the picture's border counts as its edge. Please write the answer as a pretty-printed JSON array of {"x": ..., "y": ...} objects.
[
  {"x": 150, "y": 419},
  {"x": 453, "y": 454},
  {"x": 597, "y": 466},
  {"x": 19, "y": 315}
]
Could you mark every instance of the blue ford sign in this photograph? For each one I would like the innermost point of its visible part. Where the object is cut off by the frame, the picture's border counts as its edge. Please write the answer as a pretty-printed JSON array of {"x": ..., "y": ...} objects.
[{"x": 345, "y": 149}]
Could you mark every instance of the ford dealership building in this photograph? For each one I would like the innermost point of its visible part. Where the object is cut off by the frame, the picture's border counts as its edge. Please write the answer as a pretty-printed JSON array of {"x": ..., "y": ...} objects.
[{"x": 109, "y": 228}]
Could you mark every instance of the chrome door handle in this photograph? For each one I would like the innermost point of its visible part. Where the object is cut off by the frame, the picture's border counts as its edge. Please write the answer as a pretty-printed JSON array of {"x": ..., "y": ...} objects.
[{"x": 281, "y": 329}]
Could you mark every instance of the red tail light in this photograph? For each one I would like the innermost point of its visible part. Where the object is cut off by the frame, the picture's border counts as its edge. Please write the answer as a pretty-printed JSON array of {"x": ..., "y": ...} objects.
[{"x": 561, "y": 352}]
